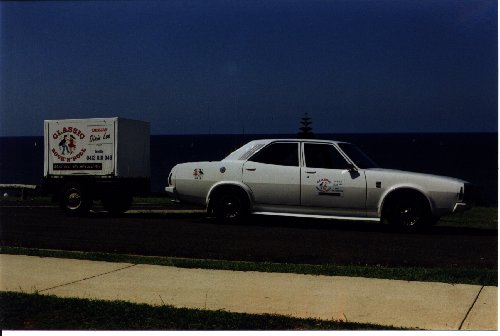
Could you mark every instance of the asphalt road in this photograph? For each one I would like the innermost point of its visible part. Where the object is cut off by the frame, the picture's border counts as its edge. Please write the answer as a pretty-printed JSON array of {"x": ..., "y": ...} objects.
[{"x": 273, "y": 239}]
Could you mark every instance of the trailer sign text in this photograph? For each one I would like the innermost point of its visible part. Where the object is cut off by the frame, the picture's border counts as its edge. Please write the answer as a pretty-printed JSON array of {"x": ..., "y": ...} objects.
[{"x": 68, "y": 159}]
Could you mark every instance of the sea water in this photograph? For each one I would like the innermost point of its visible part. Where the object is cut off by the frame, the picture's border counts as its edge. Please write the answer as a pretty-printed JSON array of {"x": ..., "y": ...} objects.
[{"x": 469, "y": 156}]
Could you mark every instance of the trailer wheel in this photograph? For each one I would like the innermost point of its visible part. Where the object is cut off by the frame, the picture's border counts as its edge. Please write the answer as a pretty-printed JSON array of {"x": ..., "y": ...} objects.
[
  {"x": 74, "y": 200},
  {"x": 117, "y": 204}
]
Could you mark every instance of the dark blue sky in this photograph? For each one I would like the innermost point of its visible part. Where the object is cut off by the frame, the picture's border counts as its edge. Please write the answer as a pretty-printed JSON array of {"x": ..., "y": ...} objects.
[{"x": 254, "y": 66}]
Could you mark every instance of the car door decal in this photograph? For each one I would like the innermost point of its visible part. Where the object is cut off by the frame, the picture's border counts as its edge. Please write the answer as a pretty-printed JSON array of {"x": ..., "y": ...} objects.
[{"x": 327, "y": 187}]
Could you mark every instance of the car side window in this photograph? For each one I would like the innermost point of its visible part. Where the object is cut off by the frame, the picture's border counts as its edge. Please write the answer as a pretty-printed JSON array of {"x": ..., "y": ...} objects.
[
  {"x": 281, "y": 153},
  {"x": 324, "y": 156}
]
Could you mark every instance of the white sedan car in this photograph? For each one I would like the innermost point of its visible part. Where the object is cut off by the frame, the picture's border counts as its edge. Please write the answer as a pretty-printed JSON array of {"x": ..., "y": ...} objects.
[{"x": 315, "y": 178}]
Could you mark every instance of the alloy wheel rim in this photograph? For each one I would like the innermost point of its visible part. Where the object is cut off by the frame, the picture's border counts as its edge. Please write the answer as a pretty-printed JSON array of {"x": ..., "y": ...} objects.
[
  {"x": 409, "y": 216},
  {"x": 74, "y": 200},
  {"x": 232, "y": 208}
]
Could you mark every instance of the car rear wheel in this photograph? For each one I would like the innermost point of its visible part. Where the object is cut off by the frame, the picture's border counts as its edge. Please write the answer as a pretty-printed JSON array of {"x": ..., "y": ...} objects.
[{"x": 229, "y": 206}]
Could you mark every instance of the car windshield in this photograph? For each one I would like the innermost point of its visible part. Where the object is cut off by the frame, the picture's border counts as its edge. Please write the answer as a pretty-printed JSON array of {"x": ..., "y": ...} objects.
[{"x": 361, "y": 160}]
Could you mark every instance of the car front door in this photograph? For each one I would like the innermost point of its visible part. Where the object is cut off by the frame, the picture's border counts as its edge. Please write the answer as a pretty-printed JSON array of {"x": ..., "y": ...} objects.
[
  {"x": 273, "y": 174},
  {"x": 330, "y": 183}
]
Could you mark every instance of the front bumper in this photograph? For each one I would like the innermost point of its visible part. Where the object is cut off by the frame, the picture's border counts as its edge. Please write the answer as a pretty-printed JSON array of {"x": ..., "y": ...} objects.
[
  {"x": 461, "y": 207},
  {"x": 466, "y": 198}
]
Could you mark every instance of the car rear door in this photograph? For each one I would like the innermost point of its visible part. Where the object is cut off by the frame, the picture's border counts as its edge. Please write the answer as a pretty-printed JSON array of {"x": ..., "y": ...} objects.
[{"x": 273, "y": 174}]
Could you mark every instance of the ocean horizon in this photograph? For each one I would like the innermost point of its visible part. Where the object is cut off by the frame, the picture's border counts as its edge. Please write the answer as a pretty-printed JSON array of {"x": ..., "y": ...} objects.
[{"x": 470, "y": 156}]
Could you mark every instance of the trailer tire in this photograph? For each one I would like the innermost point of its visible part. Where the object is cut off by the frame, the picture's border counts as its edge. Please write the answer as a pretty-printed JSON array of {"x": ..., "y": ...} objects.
[
  {"x": 75, "y": 200},
  {"x": 117, "y": 204}
]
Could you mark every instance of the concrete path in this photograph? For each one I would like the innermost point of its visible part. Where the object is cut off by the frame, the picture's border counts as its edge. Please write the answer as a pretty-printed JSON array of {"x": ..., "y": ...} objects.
[{"x": 410, "y": 304}]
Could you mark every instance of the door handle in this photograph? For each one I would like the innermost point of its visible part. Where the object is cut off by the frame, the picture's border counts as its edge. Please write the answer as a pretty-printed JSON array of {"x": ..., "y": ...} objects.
[
  {"x": 310, "y": 172},
  {"x": 251, "y": 169}
]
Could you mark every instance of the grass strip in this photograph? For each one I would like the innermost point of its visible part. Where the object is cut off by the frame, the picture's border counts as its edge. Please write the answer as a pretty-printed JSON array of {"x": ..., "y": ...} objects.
[
  {"x": 475, "y": 218},
  {"x": 485, "y": 277},
  {"x": 20, "y": 311}
]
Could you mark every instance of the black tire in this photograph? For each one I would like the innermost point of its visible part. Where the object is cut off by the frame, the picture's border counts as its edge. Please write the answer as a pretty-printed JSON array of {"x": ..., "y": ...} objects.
[
  {"x": 74, "y": 200},
  {"x": 117, "y": 204},
  {"x": 229, "y": 206},
  {"x": 407, "y": 212}
]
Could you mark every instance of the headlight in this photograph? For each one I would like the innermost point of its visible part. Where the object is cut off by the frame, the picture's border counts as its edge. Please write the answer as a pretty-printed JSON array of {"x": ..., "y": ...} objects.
[
  {"x": 461, "y": 194},
  {"x": 470, "y": 193},
  {"x": 467, "y": 193}
]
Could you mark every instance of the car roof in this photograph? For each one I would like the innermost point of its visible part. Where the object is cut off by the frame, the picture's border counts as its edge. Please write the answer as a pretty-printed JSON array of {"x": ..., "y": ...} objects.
[{"x": 245, "y": 151}]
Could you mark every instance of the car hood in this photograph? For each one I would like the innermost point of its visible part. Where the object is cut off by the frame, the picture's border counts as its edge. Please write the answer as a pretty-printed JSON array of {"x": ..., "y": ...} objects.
[{"x": 397, "y": 173}]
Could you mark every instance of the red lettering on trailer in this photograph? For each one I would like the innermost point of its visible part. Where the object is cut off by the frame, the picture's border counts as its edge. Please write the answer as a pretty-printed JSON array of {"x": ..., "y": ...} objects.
[{"x": 102, "y": 129}]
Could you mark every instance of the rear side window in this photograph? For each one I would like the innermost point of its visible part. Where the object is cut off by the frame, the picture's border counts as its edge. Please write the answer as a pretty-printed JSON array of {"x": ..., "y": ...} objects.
[
  {"x": 251, "y": 151},
  {"x": 324, "y": 156},
  {"x": 281, "y": 153}
]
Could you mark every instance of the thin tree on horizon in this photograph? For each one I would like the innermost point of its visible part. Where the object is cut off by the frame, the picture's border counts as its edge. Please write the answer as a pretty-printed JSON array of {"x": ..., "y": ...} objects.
[{"x": 305, "y": 129}]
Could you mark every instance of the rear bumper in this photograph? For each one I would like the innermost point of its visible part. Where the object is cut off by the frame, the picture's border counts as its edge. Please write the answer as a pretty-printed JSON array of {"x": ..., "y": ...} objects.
[{"x": 172, "y": 192}]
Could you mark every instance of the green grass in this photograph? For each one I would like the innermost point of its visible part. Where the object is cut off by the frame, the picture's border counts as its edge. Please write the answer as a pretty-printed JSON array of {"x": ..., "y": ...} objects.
[
  {"x": 20, "y": 311},
  {"x": 487, "y": 277},
  {"x": 156, "y": 201},
  {"x": 47, "y": 200},
  {"x": 18, "y": 200},
  {"x": 475, "y": 218}
]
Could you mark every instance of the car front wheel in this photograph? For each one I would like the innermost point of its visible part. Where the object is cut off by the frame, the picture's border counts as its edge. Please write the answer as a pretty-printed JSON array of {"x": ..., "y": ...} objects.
[{"x": 407, "y": 213}]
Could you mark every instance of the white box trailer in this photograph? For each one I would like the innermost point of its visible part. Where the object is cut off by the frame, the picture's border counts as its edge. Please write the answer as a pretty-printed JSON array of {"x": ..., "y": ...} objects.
[{"x": 96, "y": 159}]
